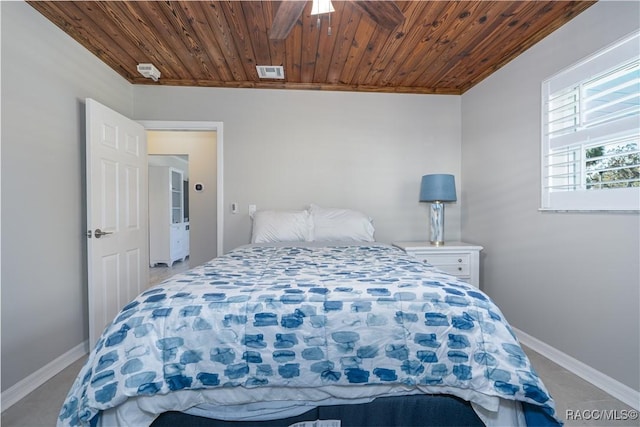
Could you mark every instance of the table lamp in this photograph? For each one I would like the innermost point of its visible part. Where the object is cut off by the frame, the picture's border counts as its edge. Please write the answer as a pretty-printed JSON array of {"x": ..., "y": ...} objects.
[{"x": 437, "y": 189}]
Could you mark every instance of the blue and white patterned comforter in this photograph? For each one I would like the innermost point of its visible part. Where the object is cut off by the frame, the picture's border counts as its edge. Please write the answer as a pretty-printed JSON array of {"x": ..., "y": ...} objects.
[{"x": 308, "y": 318}]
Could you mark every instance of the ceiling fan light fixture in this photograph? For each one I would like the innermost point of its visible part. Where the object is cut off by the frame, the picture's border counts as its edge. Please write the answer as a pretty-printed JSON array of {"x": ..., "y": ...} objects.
[{"x": 320, "y": 7}]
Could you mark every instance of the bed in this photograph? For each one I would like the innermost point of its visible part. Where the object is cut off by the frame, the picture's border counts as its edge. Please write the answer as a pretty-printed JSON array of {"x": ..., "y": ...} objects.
[{"x": 276, "y": 334}]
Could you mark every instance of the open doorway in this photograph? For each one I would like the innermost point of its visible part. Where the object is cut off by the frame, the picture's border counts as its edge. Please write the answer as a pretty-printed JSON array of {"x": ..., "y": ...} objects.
[
  {"x": 169, "y": 226},
  {"x": 198, "y": 152}
]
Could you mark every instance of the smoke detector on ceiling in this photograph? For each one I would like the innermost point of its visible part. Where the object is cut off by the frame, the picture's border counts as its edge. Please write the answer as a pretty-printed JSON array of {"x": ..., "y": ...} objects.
[
  {"x": 270, "y": 71},
  {"x": 149, "y": 71}
]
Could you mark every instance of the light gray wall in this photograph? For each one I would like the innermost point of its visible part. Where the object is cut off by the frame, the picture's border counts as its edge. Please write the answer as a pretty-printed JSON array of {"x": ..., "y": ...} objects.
[
  {"x": 286, "y": 149},
  {"x": 569, "y": 279},
  {"x": 45, "y": 78}
]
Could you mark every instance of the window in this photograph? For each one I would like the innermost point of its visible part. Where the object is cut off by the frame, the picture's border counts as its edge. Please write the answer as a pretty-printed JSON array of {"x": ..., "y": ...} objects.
[{"x": 591, "y": 132}]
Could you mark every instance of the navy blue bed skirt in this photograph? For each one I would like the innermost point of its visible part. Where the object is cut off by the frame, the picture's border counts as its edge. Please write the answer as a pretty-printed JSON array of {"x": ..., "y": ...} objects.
[{"x": 405, "y": 411}]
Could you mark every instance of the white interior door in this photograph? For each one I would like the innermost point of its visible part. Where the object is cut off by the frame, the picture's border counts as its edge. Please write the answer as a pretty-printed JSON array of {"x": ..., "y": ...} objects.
[{"x": 117, "y": 214}]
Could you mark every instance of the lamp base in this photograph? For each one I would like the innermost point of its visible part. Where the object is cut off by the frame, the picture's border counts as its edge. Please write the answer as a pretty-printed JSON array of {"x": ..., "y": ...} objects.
[{"x": 436, "y": 224}]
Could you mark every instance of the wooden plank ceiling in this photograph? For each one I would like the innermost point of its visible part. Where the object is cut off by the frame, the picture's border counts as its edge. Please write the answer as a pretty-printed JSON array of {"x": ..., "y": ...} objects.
[{"x": 443, "y": 47}]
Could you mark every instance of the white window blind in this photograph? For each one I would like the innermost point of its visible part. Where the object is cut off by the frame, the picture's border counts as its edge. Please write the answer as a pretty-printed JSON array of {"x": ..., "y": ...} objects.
[{"x": 591, "y": 132}]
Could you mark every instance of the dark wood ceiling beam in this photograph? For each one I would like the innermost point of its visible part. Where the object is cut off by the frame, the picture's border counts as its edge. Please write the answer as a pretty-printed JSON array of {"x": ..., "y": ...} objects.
[
  {"x": 386, "y": 55},
  {"x": 369, "y": 68},
  {"x": 387, "y": 14},
  {"x": 286, "y": 18}
]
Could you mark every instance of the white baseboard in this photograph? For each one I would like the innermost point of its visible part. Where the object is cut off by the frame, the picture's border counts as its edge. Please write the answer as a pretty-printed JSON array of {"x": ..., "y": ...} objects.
[
  {"x": 604, "y": 382},
  {"x": 25, "y": 386}
]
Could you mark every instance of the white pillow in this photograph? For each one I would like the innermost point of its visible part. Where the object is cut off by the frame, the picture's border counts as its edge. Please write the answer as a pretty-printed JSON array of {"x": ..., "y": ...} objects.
[
  {"x": 344, "y": 225},
  {"x": 281, "y": 226}
]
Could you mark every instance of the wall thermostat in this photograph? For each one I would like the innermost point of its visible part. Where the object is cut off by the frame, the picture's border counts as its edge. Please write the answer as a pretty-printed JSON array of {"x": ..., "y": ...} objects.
[{"x": 198, "y": 187}]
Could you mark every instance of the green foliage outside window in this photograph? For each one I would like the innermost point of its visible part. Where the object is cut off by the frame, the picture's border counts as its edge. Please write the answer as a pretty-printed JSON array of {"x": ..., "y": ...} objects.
[{"x": 613, "y": 166}]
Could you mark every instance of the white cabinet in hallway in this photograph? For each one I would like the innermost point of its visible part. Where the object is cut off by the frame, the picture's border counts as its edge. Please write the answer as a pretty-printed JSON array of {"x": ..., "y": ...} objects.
[{"x": 168, "y": 227}]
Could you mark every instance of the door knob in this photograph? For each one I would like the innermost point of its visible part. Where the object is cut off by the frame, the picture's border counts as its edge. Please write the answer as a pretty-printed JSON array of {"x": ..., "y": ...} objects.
[{"x": 99, "y": 233}]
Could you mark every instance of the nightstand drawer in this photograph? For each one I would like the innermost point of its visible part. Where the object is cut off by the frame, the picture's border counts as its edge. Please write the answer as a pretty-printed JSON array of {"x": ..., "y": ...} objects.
[
  {"x": 456, "y": 258},
  {"x": 456, "y": 264},
  {"x": 456, "y": 270},
  {"x": 443, "y": 259}
]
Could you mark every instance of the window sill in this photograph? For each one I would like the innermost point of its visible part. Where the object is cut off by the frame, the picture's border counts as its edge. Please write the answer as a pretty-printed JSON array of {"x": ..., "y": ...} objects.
[{"x": 594, "y": 211}]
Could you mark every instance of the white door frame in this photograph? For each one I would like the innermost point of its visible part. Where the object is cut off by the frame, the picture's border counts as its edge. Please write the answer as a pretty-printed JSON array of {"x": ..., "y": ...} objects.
[{"x": 172, "y": 125}]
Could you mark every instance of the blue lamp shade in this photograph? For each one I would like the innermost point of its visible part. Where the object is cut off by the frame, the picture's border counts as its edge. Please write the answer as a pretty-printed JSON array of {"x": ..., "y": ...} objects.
[{"x": 438, "y": 188}]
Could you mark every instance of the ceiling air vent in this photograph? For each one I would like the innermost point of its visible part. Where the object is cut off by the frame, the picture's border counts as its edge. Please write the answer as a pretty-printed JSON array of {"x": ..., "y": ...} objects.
[{"x": 270, "y": 71}]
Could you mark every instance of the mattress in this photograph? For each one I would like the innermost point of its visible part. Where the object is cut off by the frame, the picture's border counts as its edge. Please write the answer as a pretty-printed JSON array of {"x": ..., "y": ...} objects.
[{"x": 271, "y": 331}]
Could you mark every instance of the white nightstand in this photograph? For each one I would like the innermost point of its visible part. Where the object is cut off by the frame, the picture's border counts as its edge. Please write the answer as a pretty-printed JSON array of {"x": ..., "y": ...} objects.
[{"x": 456, "y": 258}]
